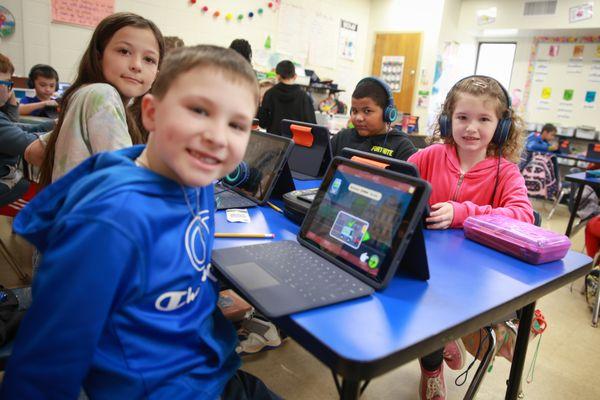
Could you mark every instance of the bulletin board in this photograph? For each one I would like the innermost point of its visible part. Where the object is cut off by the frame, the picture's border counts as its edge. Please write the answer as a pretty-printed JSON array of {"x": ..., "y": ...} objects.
[{"x": 563, "y": 84}]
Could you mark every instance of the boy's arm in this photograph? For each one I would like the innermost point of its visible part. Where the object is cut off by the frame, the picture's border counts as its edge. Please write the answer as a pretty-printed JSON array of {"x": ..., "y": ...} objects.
[
  {"x": 536, "y": 144},
  {"x": 513, "y": 202},
  {"x": 13, "y": 139},
  {"x": 28, "y": 108},
  {"x": 11, "y": 108},
  {"x": 405, "y": 149},
  {"x": 75, "y": 291},
  {"x": 310, "y": 110}
]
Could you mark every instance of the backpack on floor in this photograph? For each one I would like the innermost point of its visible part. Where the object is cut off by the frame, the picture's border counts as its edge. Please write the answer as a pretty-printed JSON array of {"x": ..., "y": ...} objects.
[{"x": 540, "y": 178}]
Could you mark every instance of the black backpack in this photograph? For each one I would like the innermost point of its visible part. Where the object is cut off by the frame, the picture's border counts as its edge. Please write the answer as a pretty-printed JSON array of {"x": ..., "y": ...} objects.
[{"x": 10, "y": 315}]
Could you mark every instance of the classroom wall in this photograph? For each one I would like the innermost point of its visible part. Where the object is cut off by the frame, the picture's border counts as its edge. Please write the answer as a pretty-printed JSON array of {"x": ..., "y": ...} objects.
[
  {"x": 399, "y": 16},
  {"x": 37, "y": 40},
  {"x": 510, "y": 15}
]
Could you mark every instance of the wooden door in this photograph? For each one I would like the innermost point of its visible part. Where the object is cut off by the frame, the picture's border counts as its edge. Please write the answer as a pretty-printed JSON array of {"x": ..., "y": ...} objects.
[{"x": 400, "y": 44}]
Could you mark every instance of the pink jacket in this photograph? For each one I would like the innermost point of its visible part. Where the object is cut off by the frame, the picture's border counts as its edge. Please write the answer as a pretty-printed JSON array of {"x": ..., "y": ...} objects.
[{"x": 471, "y": 193}]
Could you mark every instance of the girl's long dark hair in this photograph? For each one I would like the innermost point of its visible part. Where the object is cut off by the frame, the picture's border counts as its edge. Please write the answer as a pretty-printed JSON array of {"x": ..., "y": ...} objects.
[{"x": 90, "y": 71}]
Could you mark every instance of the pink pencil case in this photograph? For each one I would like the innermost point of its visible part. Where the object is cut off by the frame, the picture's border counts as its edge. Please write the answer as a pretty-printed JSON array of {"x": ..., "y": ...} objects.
[{"x": 525, "y": 241}]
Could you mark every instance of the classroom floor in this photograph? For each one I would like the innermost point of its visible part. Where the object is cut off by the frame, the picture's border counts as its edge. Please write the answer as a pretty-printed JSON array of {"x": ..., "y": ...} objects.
[{"x": 568, "y": 364}]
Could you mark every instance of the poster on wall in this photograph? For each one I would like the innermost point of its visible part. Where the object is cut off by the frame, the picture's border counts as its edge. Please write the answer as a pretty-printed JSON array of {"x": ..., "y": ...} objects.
[
  {"x": 392, "y": 68},
  {"x": 553, "y": 50},
  {"x": 81, "y": 12},
  {"x": 487, "y": 16},
  {"x": 322, "y": 42},
  {"x": 578, "y": 51},
  {"x": 348, "y": 37},
  {"x": 590, "y": 100},
  {"x": 581, "y": 12}
]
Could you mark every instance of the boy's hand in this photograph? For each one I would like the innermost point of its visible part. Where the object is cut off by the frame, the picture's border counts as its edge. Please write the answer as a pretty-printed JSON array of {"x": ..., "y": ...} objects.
[
  {"x": 441, "y": 216},
  {"x": 50, "y": 103}
]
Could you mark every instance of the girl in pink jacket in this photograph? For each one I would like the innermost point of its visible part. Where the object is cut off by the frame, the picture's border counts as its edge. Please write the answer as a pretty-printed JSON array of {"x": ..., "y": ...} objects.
[{"x": 472, "y": 172}]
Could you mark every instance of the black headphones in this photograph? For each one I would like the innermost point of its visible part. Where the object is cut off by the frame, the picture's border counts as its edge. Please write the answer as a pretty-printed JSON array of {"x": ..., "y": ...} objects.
[
  {"x": 43, "y": 70},
  {"x": 389, "y": 113},
  {"x": 503, "y": 127}
]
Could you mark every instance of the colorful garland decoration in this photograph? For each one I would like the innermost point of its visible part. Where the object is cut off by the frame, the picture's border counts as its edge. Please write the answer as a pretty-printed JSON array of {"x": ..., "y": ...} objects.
[{"x": 229, "y": 16}]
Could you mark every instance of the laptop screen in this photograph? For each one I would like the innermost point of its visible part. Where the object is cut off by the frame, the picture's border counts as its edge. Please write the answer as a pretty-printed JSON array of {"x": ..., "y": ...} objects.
[
  {"x": 263, "y": 161},
  {"x": 361, "y": 215}
]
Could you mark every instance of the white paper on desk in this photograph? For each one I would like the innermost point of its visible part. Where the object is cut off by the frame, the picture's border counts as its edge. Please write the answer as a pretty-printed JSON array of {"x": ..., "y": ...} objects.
[{"x": 238, "y": 215}]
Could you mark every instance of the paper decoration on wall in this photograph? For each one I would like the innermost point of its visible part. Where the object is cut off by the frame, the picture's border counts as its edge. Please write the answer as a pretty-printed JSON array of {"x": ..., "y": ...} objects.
[
  {"x": 348, "y": 38},
  {"x": 568, "y": 95},
  {"x": 81, "y": 12},
  {"x": 553, "y": 50},
  {"x": 229, "y": 16},
  {"x": 581, "y": 12},
  {"x": 7, "y": 23},
  {"x": 578, "y": 51},
  {"x": 486, "y": 16},
  {"x": 590, "y": 96},
  {"x": 546, "y": 93},
  {"x": 392, "y": 68},
  {"x": 516, "y": 98}
]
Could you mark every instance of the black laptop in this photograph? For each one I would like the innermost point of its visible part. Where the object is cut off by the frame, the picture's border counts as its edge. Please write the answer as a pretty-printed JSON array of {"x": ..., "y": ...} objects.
[
  {"x": 351, "y": 243},
  {"x": 263, "y": 172}
]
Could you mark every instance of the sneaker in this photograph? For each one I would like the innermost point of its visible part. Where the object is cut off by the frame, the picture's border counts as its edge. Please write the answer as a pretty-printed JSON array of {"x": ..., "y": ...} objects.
[
  {"x": 455, "y": 354},
  {"x": 256, "y": 335},
  {"x": 432, "y": 384}
]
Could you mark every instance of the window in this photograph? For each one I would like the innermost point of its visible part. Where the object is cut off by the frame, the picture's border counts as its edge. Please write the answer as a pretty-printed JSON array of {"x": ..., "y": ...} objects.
[{"x": 496, "y": 60}]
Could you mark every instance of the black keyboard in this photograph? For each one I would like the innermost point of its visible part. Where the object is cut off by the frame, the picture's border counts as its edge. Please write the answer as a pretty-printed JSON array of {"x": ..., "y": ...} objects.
[
  {"x": 315, "y": 278},
  {"x": 230, "y": 199}
]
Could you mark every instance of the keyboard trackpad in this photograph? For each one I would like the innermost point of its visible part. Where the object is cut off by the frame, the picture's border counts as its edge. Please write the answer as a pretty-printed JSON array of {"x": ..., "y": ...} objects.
[{"x": 251, "y": 276}]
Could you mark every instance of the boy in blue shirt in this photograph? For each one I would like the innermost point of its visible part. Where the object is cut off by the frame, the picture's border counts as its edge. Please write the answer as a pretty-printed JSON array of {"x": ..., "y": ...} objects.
[
  {"x": 125, "y": 303},
  {"x": 543, "y": 141},
  {"x": 44, "y": 79}
]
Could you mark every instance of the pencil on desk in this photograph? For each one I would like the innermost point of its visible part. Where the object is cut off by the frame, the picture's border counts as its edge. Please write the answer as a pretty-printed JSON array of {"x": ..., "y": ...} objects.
[
  {"x": 274, "y": 207},
  {"x": 245, "y": 235}
]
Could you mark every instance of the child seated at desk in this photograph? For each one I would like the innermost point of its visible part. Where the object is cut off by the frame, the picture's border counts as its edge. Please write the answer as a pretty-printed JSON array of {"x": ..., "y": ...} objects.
[
  {"x": 125, "y": 302},
  {"x": 14, "y": 138},
  {"x": 371, "y": 113},
  {"x": 44, "y": 79},
  {"x": 543, "y": 141},
  {"x": 480, "y": 137}
]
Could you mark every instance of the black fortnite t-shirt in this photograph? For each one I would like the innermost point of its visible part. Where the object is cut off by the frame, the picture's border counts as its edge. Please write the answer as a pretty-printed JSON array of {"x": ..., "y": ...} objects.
[{"x": 397, "y": 145}]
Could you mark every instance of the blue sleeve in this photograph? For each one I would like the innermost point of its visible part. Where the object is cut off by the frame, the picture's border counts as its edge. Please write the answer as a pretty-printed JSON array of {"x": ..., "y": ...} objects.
[
  {"x": 13, "y": 139},
  {"x": 535, "y": 143},
  {"x": 83, "y": 272},
  {"x": 28, "y": 100}
]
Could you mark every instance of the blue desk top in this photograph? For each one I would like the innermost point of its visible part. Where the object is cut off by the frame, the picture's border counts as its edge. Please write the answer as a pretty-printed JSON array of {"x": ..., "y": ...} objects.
[
  {"x": 577, "y": 157},
  {"x": 470, "y": 286},
  {"x": 580, "y": 177}
]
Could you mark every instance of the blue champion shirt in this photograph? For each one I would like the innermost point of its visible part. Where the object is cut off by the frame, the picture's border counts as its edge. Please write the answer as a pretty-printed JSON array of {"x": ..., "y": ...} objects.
[{"x": 124, "y": 300}]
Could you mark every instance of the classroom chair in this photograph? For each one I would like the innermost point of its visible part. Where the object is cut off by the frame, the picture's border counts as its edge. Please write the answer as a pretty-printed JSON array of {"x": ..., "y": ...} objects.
[{"x": 13, "y": 202}]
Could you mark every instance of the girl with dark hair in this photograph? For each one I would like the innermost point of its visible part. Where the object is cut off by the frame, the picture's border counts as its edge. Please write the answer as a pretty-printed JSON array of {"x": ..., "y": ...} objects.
[{"x": 119, "y": 64}]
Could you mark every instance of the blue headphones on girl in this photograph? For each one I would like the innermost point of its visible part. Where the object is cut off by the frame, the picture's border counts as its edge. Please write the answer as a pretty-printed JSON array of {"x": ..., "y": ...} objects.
[
  {"x": 389, "y": 113},
  {"x": 503, "y": 127}
]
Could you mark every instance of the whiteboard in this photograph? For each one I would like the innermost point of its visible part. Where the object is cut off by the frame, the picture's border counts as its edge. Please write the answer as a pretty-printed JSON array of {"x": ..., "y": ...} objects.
[{"x": 564, "y": 82}]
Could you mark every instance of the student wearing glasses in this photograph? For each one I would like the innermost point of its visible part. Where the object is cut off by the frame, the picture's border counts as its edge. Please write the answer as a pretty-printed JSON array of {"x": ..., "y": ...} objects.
[{"x": 14, "y": 138}]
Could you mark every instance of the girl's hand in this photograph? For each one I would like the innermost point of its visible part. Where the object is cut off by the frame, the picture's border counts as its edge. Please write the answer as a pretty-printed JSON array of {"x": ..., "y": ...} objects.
[{"x": 441, "y": 216}]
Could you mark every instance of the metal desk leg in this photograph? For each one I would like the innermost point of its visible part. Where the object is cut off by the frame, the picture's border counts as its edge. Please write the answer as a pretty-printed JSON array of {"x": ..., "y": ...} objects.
[
  {"x": 350, "y": 389},
  {"x": 483, "y": 365},
  {"x": 596, "y": 310},
  {"x": 518, "y": 363},
  {"x": 574, "y": 211}
]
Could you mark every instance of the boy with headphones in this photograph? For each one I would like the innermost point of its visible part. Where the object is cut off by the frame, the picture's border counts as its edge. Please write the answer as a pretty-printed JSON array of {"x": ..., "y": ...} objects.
[
  {"x": 44, "y": 79},
  {"x": 372, "y": 113}
]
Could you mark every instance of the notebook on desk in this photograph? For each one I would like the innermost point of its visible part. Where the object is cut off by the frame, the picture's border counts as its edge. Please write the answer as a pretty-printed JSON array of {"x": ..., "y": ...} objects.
[
  {"x": 263, "y": 172},
  {"x": 351, "y": 243}
]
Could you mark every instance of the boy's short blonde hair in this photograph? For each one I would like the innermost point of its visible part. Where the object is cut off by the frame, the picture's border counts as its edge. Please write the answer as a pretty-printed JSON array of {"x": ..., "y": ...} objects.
[
  {"x": 225, "y": 61},
  {"x": 6, "y": 66},
  {"x": 481, "y": 86}
]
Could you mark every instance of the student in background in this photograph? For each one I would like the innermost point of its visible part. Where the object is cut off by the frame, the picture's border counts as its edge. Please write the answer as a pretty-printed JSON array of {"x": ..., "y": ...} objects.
[
  {"x": 173, "y": 42},
  {"x": 243, "y": 47},
  {"x": 119, "y": 64},
  {"x": 14, "y": 139},
  {"x": 472, "y": 173},
  {"x": 542, "y": 141},
  {"x": 150, "y": 326},
  {"x": 371, "y": 112},
  {"x": 331, "y": 104},
  {"x": 44, "y": 79},
  {"x": 286, "y": 100}
]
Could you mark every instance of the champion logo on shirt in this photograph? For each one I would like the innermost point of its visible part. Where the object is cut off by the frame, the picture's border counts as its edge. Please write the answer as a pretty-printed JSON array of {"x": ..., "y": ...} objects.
[
  {"x": 196, "y": 245},
  {"x": 171, "y": 301}
]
